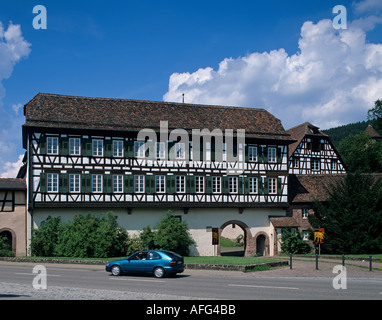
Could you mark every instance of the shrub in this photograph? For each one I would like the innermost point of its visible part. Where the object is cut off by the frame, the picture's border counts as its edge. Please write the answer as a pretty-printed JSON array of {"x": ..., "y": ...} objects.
[
  {"x": 173, "y": 235},
  {"x": 292, "y": 242},
  {"x": 86, "y": 236},
  {"x": 45, "y": 239},
  {"x": 5, "y": 248}
]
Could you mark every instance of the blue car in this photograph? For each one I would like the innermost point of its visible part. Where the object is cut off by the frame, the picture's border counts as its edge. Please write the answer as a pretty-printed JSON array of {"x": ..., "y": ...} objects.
[{"x": 156, "y": 262}]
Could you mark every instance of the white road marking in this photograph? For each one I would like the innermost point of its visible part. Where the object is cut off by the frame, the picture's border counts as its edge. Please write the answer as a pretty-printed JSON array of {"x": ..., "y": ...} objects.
[
  {"x": 266, "y": 287},
  {"x": 143, "y": 280},
  {"x": 34, "y": 274}
]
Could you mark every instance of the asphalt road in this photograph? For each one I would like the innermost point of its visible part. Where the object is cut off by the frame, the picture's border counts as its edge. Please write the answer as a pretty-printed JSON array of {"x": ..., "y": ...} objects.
[{"x": 192, "y": 284}]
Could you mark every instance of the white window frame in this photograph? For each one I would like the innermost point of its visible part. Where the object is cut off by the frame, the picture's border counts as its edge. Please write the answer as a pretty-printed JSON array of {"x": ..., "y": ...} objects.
[
  {"x": 160, "y": 184},
  {"x": 117, "y": 183},
  {"x": 160, "y": 150},
  {"x": 233, "y": 185},
  {"x": 253, "y": 185},
  {"x": 272, "y": 154},
  {"x": 305, "y": 213},
  {"x": 180, "y": 151},
  {"x": 316, "y": 164},
  {"x": 139, "y": 183},
  {"x": 180, "y": 182},
  {"x": 52, "y": 145},
  {"x": 97, "y": 183},
  {"x": 52, "y": 182},
  {"x": 199, "y": 184},
  {"x": 118, "y": 148},
  {"x": 139, "y": 149},
  {"x": 252, "y": 154},
  {"x": 74, "y": 183},
  {"x": 75, "y": 146},
  {"x": 272, "y": 185},
  {"x": 333, "y": 164},
  {"x": 97, "y": 148},
  {"x": 216, "y": 184}
]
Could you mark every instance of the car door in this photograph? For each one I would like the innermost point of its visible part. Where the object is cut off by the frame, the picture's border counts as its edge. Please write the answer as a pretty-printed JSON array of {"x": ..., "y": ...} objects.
[
  {"x": 136, "y": 263},
  {"x": 152, "y": 261}
]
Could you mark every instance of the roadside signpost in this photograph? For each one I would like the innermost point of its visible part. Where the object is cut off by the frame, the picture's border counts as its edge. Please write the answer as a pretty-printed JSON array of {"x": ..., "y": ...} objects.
[{"x": 319, "y": 235}]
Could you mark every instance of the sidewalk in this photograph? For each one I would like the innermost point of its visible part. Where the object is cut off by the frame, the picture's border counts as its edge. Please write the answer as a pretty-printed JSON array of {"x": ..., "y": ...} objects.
[{"x": 306, "y": 267}]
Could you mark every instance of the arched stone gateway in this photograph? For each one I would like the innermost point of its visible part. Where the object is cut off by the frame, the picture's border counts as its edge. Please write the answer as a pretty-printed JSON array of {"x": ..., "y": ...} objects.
[
  {"x": 10, "y": 236},
  {"x": 249, "y": 248}
]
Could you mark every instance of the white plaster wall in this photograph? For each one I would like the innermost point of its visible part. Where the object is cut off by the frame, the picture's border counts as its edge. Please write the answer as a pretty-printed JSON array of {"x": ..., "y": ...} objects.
[{"x": 198, "y": 219}]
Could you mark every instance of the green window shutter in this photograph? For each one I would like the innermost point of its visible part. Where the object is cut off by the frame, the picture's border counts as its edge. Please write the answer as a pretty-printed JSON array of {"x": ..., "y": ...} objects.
[
  {"x": 190, "y": 184},
  {"x": 64, "y": 146},
  {"x": 86, "y": 183},
  {"x": 108, "y": 148},
  {"x": 129, "y": 148},
  {"x": 246, "y": 185},
  {"x": 279, "y": 186},
  {"x": 171, "y": 150},
  {"x": 241, "y": 185},
  {"x": 129, "y": 183},
  {"x": 63, "y": 183},
  {"x": 170, "y": 184},
  {"x": 225, "y": 184},
  {"x": 266, "y": 185},
  {"x": 108, "y": 183},
  {"x": 43, "y": 182},
  {"x": 43, "y": 144},
  {"x": 208, "y": 182},
  {"x": 265, "y": 154},
  {"x": 150, "y": 184},
  {"x": 279, "y": 155},
  {"x": 86, "y": 147},
  {"x": 246, "y": 153},
  {"x": 260, "y": 184}
]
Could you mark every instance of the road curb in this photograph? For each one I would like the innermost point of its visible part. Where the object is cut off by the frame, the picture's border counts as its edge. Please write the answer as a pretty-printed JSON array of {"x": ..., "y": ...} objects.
[{"x": 226, "y": 267}]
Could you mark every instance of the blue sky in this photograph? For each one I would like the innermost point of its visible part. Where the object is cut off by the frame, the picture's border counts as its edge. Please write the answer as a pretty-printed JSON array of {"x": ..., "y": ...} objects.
[{"x": 215, "y": 51}]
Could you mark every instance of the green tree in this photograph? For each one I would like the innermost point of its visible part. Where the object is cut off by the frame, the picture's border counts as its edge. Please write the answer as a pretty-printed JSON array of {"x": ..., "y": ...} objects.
[
  {"x": 352, "y": 215},
  {"x": 45, "y": 238},
  {"x": 361, "y": 153},
  {"x": 375, "y": 115},
  {"x": 292, "y": 242},
  {"x": 173, "y": 235}
]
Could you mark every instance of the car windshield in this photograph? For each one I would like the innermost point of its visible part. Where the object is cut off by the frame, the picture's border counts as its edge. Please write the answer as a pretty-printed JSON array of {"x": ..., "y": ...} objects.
[{"x": 172, "y": 254}]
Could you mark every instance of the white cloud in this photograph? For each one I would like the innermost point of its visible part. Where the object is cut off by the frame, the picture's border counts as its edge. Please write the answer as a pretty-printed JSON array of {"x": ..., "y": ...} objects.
[
  {"x": 12, "y": 168},
  {"x": 13, "y": 48},
  {"x": 333, "y": 79}
]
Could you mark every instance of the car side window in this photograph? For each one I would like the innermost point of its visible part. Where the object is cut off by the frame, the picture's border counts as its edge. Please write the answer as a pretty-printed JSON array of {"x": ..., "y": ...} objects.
[
  {"x": 139, "y": 256},
  {"x": 153, "y": 256}
]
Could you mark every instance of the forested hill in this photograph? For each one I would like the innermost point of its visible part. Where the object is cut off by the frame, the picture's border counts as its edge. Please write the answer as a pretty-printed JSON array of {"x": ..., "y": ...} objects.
[{"x": 338, "y": 133}]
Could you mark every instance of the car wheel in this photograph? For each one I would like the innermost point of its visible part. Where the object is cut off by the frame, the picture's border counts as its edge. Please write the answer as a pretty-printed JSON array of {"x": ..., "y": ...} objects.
[
  {"x": 116, "y": 270},
  {"x": 159, "y": 272}
]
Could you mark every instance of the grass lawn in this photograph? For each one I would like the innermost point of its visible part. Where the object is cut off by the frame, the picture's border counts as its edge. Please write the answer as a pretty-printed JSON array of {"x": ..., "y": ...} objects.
[{"x": 228, "y": 260}]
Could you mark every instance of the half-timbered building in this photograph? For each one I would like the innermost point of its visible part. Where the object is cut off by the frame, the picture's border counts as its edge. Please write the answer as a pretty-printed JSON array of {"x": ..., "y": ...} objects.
[
  {"x": 313, "y": 152},
  {"x": 213, "y": 166}
]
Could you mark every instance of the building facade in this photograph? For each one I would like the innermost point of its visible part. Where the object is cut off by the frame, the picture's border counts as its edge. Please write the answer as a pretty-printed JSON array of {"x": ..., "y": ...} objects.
[
  {"x": 13, "y": 214},
  {"x": 212, "y": 166},
  {"x": 313, "y": 152}
]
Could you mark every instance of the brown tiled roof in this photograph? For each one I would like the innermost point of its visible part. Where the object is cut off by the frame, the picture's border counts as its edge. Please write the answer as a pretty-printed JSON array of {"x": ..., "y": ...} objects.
[
  {"x": 310, "y": 187},
  {"x": 299, "y": 132},
  {"x": 282, "y": 222},
  {"x": 374, "y": 134},
  {"x": 61, "y": 111},
  {"x": 11, "y": 184}
]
